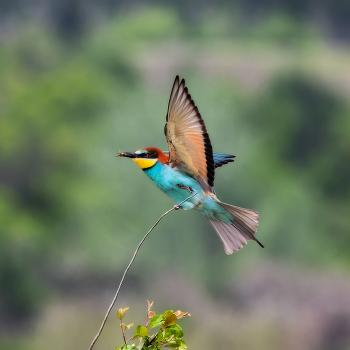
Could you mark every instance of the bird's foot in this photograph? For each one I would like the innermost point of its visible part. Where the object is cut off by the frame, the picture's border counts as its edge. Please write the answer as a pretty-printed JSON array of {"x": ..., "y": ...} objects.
[
  {"x": 177, "y": 207},
  {"x": 184, "y": 187}
]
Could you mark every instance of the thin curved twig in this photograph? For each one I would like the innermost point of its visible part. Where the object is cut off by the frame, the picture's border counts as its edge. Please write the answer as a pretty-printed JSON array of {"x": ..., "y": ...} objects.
[{"x": 125, "y": 272}]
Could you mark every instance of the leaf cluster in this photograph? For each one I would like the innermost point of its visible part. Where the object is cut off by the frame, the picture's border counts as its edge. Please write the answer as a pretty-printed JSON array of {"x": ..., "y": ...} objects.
[{"x": 169, "y": 334}]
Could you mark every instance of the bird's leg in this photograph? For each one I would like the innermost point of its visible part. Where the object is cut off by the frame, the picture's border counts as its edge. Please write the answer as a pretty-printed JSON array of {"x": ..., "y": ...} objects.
[{"x": 184, "y": 187}]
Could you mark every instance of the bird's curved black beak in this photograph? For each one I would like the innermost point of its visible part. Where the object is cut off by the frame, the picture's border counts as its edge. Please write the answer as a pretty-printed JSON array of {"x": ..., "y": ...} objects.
[{"x": 126, "y": 154}]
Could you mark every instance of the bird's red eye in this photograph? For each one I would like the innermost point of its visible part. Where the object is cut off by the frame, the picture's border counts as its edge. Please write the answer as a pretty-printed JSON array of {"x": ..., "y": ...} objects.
[{"x": 146, "y": 155}]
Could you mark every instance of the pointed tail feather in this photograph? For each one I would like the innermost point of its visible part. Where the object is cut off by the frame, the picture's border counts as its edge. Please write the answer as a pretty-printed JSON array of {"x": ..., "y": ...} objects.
[
  {"x": 229, "y": 235},
  {"x": 234, "y": 236}
]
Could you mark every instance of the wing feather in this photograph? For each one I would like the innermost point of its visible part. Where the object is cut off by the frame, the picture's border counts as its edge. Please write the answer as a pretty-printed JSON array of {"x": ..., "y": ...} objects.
[{"x": 187, "y": 137}]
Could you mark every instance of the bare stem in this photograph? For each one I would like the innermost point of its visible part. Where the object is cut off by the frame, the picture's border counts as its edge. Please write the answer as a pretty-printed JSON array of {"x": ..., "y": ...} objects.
[
  {"x": 127, "y": 269},
  {"x": 128, "y": 340},
  {"x": 123, "y": 331}
]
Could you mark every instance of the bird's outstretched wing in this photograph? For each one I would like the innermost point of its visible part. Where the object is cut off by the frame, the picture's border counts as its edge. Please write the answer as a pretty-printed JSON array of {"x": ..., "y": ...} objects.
[{"x": 187, "y": 137}]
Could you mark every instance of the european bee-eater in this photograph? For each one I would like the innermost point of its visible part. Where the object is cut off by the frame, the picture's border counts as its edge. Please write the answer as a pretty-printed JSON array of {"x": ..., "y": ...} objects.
[{"x": 190, "y": 168}]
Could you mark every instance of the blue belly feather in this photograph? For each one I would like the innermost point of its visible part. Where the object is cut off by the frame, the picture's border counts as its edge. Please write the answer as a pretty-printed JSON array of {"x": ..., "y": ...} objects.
[{"x": 167, "y": 180}]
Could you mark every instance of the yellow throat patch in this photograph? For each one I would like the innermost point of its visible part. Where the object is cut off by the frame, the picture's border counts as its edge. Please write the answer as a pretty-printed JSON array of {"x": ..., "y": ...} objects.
[{"x": 145, "y": 163}]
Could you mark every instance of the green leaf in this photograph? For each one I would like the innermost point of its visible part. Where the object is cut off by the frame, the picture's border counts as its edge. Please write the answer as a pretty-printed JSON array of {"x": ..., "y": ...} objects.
[
  {"x": 140, "y": 332},
  {"x": 159, "y": 338},
  {"x": 174, "y": 330},
  {"x": 154, "y": 347},
  {"x": 121, "y": 312},
  {"x": 128, "y": 347},
  {"x": 169, "y": 321},
  {"x": 156, "y": 321},
  {"x": 183, "y": 345},
  {"x": 174, "y": 344},
  {"x": 168, "y": 313},
  {"x": 170, "y": 318}
]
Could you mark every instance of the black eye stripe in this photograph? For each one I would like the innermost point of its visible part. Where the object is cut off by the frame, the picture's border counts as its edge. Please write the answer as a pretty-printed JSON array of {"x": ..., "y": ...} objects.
[{"x": 147, "y": 155}]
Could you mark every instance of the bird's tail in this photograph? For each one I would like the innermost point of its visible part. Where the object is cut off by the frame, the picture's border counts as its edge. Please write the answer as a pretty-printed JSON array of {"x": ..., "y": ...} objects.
[{"x": 234, "y": 236}]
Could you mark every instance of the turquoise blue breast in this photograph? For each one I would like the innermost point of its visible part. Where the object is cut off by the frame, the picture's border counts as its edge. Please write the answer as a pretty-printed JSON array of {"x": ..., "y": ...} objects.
[{"x": 167, "y": 180}]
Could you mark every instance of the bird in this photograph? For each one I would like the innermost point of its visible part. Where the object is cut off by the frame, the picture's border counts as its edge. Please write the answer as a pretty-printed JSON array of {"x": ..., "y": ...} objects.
[{"x": 189, "y": 169}]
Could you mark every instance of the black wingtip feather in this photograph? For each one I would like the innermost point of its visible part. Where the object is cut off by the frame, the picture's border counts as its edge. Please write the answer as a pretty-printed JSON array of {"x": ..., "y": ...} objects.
[{"x": 208, "y": 149}]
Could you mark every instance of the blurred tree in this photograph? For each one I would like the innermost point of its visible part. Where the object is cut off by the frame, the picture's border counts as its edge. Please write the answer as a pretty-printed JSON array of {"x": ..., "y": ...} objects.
[
  {"x": 66, "y": 108},
  {"x": 304, "y": 126},
  {"x": 303, "y": 122},
  {"x": 46, "y": 107},
  {"x": 72, "y": 18}
]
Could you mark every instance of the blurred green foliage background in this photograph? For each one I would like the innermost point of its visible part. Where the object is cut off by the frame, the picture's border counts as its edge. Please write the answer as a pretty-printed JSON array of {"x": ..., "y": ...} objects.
[{"x": 81, "y": 80}]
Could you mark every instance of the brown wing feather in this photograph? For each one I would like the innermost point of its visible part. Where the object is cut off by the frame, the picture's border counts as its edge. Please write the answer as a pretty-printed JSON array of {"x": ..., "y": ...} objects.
[{"x": 187, "y": 136}]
